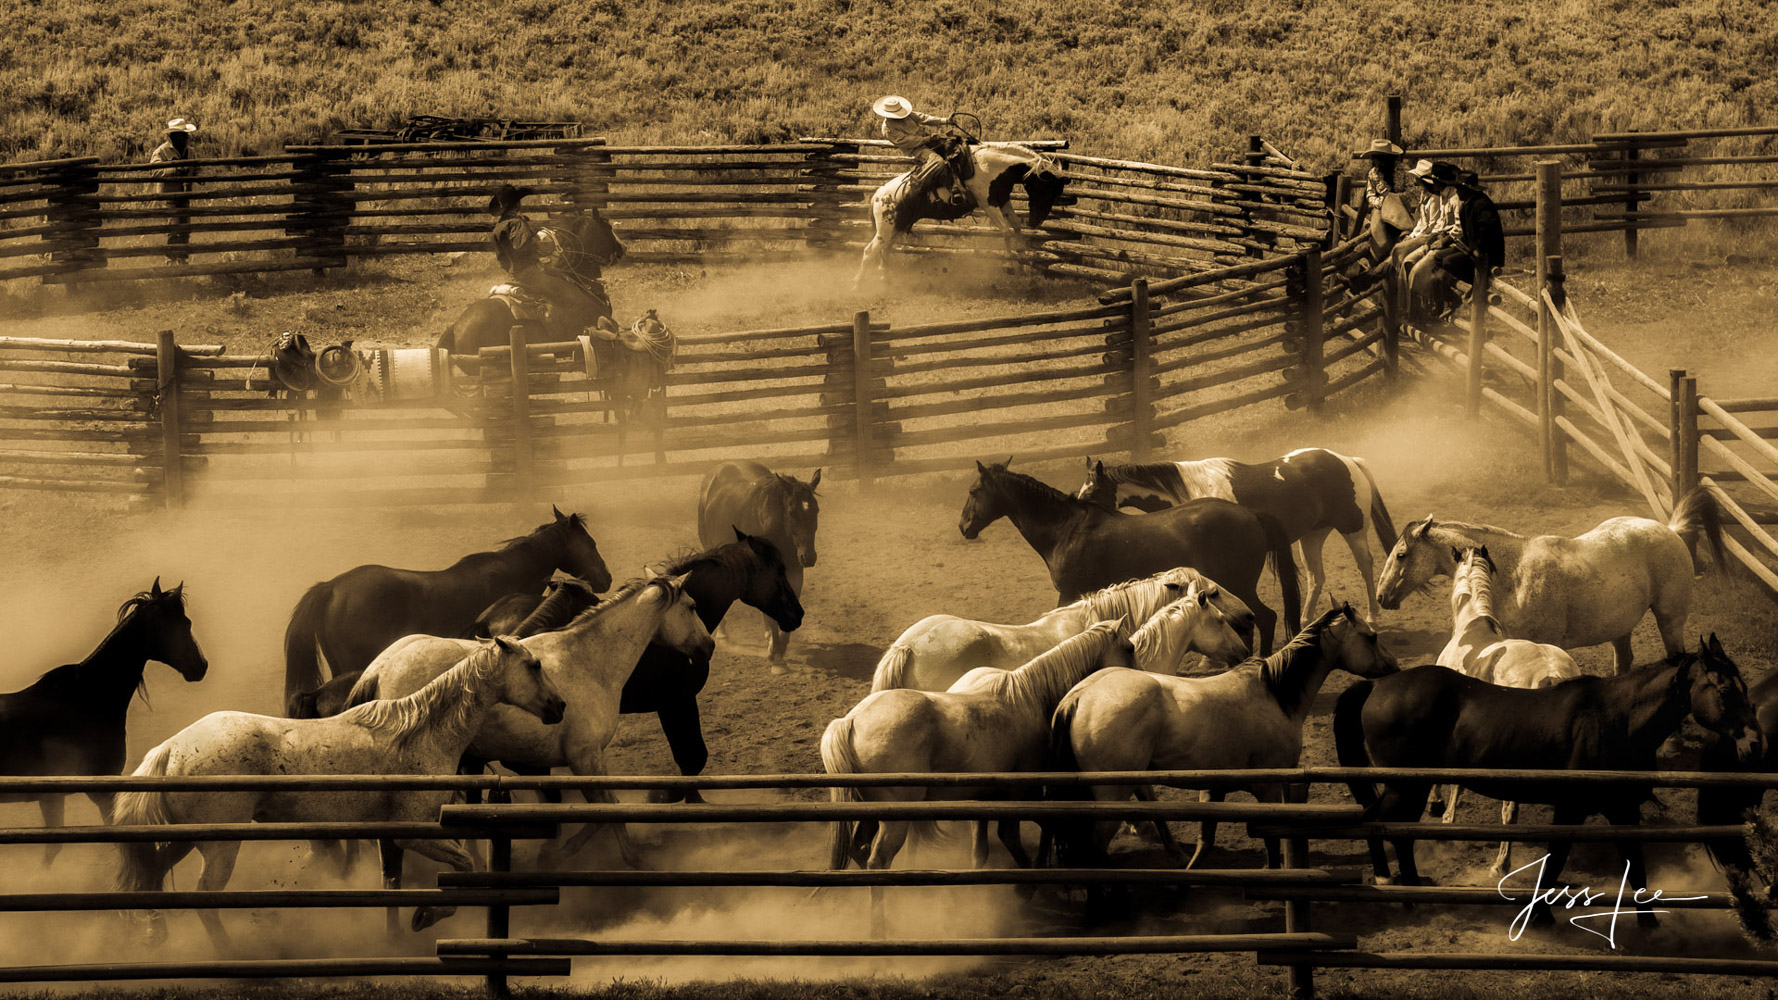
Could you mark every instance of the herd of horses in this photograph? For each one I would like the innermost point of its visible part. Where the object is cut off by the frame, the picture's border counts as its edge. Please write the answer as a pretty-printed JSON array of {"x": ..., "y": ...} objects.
[{"x": 498, "y": 660}]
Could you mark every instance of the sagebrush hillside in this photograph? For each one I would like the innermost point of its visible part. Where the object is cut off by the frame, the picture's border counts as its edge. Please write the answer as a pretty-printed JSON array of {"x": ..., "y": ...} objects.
[{"x": 1173, "y": 81}]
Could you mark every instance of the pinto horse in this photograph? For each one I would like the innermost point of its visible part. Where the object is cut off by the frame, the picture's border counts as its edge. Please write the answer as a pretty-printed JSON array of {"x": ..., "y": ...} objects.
[
  {"x": 1435, "y": 717},
  {"x": 71, "y": 721},
  {"x": 784, "y": 510},
  {"x": 352, "y": 617},
  {"x": 996, "y": 170},
  {"x": 1572, "y": 592},
  {"x": 1088, "y": 546},
  {"x": 1312, "y": 492}
]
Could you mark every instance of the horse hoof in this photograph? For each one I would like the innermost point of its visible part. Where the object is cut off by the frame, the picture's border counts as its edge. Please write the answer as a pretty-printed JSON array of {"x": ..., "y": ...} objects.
[
  {"x": 426, "y": 916},
  {"x": 664, "y": 796}
]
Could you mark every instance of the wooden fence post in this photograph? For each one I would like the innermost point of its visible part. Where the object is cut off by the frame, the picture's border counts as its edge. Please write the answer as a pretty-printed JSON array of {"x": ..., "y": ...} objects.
[
  {"x": 1300, "y": 978},
  {"x": 1141, "y": 371},
  {"x": 522, "y": 458},
  {"x": 321, "y": 207},
  {"x": 861, "y": 396},
  {"x": 499, "y": 915},
  {"x": 72, "y": 206},
  {"x": 1392, "y": 118},
  {"x": 823, "y": 228},
  {"x": 1342, "y": 196},
  {"x": 1310, "y": 346},
  {"x": 1632, "y": 199},
  {"x": 166, "y": 353},
  {"x": 1551, "y": 269},
  {"x": 1478, "y": 337},
  {"x": 1682, "y": 425},
  {"x": 1549, "y": 243}
]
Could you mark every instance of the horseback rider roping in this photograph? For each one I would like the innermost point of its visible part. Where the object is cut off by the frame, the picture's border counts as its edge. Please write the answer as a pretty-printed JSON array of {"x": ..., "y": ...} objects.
[
  {"x": 943, "y": 157},
  {"x": 521, "y": 249}
]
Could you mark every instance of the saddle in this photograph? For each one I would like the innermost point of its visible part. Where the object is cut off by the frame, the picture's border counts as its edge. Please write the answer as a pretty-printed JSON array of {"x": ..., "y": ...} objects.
[{"x": 647, "y": 336}]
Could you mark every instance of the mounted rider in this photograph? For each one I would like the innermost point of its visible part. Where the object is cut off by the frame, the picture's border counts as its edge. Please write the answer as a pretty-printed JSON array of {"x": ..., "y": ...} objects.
[
  {"x": 527, "y": 253},
  {"x": 944, "y": 158}
]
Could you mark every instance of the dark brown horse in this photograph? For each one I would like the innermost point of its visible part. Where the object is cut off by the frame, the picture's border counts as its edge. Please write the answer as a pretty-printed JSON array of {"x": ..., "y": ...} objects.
[
  {"x": 588, "y": 243},
  {"x": 71, "y": 721},
  {"x": 1088, "y": 546},
  {"x": 352, "y": 617},
  {"x": 784, "y": 510},
  {"x": 1435, "y": 717},
  {"x": 1730, "y": 806}
]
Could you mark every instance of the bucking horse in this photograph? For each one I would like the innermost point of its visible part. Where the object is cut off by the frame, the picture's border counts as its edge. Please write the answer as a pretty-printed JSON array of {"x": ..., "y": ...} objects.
[{"x": 993, "y": 171}]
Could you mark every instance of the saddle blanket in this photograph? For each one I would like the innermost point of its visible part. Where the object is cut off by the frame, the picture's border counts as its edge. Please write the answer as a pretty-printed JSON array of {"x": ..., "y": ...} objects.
[{"x": 408, "y": 372}]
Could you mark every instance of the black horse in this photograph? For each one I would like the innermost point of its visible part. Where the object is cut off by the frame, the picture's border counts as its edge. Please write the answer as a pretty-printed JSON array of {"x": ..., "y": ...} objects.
[
  {"x": 1089, "y": 545},
  {"x": 352, "y": 617},
  {"x": 784, "y": 510},
  {"x": 71, "y": 722},
  {"x": 748, "y": 569},
  {"x": 1435, "y": 717},
  {"x": 1729, "y": 806}
]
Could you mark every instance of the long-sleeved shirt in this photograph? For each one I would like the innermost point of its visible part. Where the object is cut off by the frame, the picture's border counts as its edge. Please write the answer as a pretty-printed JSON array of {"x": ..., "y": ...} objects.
[
  {"x": 172, "y": 176},
  {"x": 1377, "y": 186},
  {"x": 515, "y": 243},
  {"x": 1433, "y": 217},
  {"x": 1483, "y": 233},
  {"x": 910, "y": 134}
]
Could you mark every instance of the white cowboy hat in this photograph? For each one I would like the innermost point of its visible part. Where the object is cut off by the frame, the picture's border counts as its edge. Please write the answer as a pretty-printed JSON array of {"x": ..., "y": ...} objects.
[
  {"x": 893, "y": 107},
  {"x": 1378, "y": 147},
  {"x": 1421, "y": 170},
  {"x": 181, "y": 125}
]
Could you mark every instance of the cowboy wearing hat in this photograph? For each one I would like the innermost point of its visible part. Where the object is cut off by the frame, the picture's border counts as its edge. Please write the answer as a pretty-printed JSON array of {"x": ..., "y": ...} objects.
[
  {"x": 520, "y": 248},
  {"x": 907, "y": 130},
  {"x": 1388, "y": 213},
  {"x": 173, "y": 183},
  {"x": 1477, "y": 241}
]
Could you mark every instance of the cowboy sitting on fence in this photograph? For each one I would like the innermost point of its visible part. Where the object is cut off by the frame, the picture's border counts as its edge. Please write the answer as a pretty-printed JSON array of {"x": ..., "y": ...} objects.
[
  {"x": 1479, "y": 242},
  {"x": 523, "y": 249},
  {"x": 943, "y": 158}
]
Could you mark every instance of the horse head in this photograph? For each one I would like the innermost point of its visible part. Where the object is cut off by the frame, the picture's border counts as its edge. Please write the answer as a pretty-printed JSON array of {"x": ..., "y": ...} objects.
[
  {"x": 768, "y": 585},
  {"x": 680, "y": 628},
  {"x": 793, "y": 508},
  {"x": 523, "y": 684},
  {"x": 165, "y": 629},
  {"x": 1044, "y": 189},
  {"x": 579, "y": 554},
  {"x": 1099, "y": 487},
  {"x": 985, "y": 503},
  {"x": 1413, "y": 562},
  {"x": 1718, "y": 696},
  {"x": 598, "y": 240},
  {"x": 1188, "y": 624},
  {"x": 1352, "y": 644}
]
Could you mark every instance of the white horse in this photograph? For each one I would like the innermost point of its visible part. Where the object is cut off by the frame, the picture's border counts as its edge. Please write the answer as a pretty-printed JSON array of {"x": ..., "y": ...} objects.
[
  {"x": 588, "y": 661},
  {"x": 991, "y": 720},
  {"x": 996, "y": 169},
  {"x": 424, "y": 733},
  {"x": 1480, "y": 649},
  {"x": 1249, "y": 717},
  {"x": 935, "y": 651},
  {"x": 1572, "y": 592}
]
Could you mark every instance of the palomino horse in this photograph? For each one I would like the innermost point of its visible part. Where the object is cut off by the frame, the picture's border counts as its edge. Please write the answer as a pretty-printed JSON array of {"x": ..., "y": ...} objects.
[
  {"x": 991, "y": 720},
  {"x": 588, "y": 243},
  {"x": 424, "y": 733},
  {"x": 1312, "y": 492},
  {"x": 1435, "y": 717},
  {"x": 352, "y": 617},
  {"x": 1479, "y": 649},
  {"x": 1250, "y": 716},
  {"x": 784, "y": 510},
  {"x": 588, "y": 661},
  {"x": 936, "y": 651},
  {"x": 1572, "y": 592},
  {"x": 71, "y": 721},
  {"x": 997, "y": 169},
  {"x": 1088, "y": 546}
]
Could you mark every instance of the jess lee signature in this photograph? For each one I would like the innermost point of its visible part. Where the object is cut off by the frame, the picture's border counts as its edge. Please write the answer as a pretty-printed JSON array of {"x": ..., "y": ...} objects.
[{"x": 1569, "y": 897}]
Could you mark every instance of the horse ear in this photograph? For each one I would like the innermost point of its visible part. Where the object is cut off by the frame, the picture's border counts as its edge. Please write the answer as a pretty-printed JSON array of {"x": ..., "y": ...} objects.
[
  {"x": 1483, "y": 552},
  {"x": 979, "y": 467},
  {"x": 556, "y": 512},
  {"x": 179, "y": 589},
  {"x": 1203, "y": 598},
  {"x": 1716, "y": 647},
  {"x": 1099, "y": 468},
  {"x": 740, "y": 536},
  {"x": 1008, "y": 463},
  {"x": 1456, "y": 553},
  {"x": 155, "y": 591},
  {"x": 815, "y": 480}
]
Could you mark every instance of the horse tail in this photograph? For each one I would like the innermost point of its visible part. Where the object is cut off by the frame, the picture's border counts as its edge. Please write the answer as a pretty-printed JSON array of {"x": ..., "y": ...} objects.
[
  {"x": 1284, "y": 567},
  {"x": 892, "y": 669},
  {"x": 1380, "y": 520},
  {"x": 839, "y": 757},
  {"x": 1698, "y": 513},
  {"x": 1348, "y": 729},
  {"x": 366, "y": 690},
  {"x": 302, "y": 638},
  {"x": 143, "y": 870}
]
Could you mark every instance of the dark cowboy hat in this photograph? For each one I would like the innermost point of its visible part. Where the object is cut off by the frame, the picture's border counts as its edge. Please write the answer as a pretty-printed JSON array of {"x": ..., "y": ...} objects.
[
  {"x": 1440, "y": 175},
  {"x": 1469, "y": 180},
  {"x": 1379, "y": 148},
  {"x": 506, "y": 198}
]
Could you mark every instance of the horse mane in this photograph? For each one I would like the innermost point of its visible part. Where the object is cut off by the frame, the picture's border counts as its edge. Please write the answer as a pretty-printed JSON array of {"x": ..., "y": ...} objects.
[
  {"x": 450, "y": 692},
  {"x": 1042, "y": 682},
  {"x": 1000, "y": 474},
  {"x": 1282, "y": 672},
  {"x": 627, "y": 590},
  {"x": 1477, "y": 584},
  {"x": 552, "y": 613},
  {"x": 1162, "y": 476},
  {"x": 572, "y": 520},
  {"x": 1152, "y": 632},
  {"x": 71, "y": 676},
  {"x": 1464, "y": 527},
  {"x": 1134, "y": 599}
]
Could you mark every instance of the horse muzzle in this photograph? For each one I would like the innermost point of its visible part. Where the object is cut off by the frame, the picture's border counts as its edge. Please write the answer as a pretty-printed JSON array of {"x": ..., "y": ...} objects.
[
  {"x": 788, "y": 619},
  {"x": 552, "y": 713},
  {"x": 195, "y": 672},
  {"x": 969, "y": 531}
]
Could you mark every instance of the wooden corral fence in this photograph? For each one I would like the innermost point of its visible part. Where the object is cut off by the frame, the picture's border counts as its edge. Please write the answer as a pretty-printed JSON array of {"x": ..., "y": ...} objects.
[
  {"x": 1625, "y": 181},
  {"x": 501, "y": 953},
  {"x": 1541, "y": 368}
]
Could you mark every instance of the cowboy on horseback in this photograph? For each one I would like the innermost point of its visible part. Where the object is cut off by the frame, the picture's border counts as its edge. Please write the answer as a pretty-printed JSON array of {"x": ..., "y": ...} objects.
[
  {"x": 944, "y": 158},
  {"x": 524, "y": 251}
]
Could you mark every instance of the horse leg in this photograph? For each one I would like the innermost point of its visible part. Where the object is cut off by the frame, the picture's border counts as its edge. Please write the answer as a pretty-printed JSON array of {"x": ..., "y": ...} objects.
[
  {"x": 1556, "y": 859},
  {"x": 51, "y": 807},
  {"x": 685, "y": 738},
  {"x": 449, "y": 852},
  {"x": 876, "y": 252},
  {"x": 1276, "y": 794},
  {"x": 1008, "y": 233},
  {"x": 978, "y": 842},
  {"x": 1451, "y": 793},
  {"x": 1629, "y": 813},
  {"x": 1360, "y": 547},
  {"x": 1011, "y": 839},
  {"x": 392, "y": 858},
  {"x": 890, "y": 837},
  {"x": 1403, "y": 802},
  {"x": 593, "y": 765},
  {"x": 1310, "y": 548},
  {"x": 1626, "y": 660},
  {"x": 1265, "y": 621},
  {"x": 1206, "y": 828},
  {"x": 219, "y": 864},
  {"x": 1163, "y": 832},
  {"x": 1509, "y": 815}
]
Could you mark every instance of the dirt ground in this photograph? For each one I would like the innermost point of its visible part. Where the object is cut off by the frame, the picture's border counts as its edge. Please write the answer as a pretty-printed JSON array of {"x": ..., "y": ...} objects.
[{"x": 888, "y": 558}]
